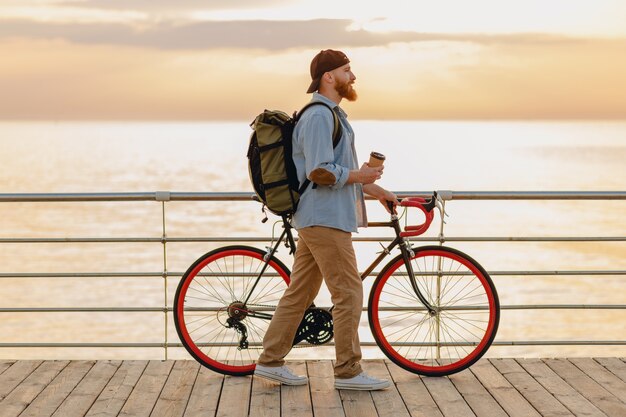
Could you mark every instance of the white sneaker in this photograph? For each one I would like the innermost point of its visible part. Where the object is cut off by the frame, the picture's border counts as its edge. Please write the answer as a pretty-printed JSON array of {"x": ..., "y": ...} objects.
[
  {"x": 361, "y": 382},
  {"x": 280, "y": 374}
]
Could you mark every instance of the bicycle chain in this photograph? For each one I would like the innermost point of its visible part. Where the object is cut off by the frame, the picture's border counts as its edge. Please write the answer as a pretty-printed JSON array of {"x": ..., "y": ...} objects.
[{"x": 298, "y": 346}]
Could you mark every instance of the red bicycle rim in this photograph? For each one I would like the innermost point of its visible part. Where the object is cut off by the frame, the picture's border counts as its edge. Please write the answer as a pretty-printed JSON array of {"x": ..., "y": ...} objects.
[
  {"x": 451, "y": 367},
  {"x": 180, "y": 307}
]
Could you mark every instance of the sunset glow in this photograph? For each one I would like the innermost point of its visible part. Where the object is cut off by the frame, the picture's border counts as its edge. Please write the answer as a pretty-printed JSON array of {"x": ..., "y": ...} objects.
[{"x": 198, "y": 60}]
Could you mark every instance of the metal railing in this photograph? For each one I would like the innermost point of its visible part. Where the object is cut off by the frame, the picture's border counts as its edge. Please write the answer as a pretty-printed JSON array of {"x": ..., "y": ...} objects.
[{"x": 165, "y": 196}]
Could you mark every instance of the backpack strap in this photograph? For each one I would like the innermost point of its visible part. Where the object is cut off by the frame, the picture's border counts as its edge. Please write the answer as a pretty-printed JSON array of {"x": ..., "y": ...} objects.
[
  {"x": 337, "y": 129},
  {"x": 337, "y": 134}
]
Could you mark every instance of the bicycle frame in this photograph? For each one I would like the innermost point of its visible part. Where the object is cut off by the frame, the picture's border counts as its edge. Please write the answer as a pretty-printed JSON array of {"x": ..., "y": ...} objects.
[
  {"x": 287, "y": 239},
  {"x": 439, "y": 322}
]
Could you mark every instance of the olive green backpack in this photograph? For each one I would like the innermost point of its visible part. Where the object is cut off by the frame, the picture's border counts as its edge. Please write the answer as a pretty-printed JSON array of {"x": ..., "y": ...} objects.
[{"x": 270, "y": 162}]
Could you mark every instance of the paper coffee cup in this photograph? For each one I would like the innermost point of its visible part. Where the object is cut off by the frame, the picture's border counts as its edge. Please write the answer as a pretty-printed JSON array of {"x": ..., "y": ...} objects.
[{"x": 376, "y": 159}]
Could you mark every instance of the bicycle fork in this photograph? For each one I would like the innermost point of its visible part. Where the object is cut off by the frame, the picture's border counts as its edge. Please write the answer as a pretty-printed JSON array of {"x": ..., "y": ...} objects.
[{"x": 407, "y": 254}]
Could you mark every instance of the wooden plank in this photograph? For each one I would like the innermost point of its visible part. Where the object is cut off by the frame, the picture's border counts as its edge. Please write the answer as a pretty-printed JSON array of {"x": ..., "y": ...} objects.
[
  {"x": 84, "y": 395},
  {"x": 55, "y": 393},
  {"x": 598, "y": 373},
  {"x": 357, "y": 403},
  {"x": 4, "y": 365},
  {"x": 115, "y": 394},
  {"x": 296, "y": 400},
  {"x": 235, "y": 398},
  {"x": 501, "y": 389},
  {"x": 537, "y": 395},
  {"x": 388, "y": 402},
  {"x": 325, "y": 398},
  {"x": 478, "y": 398},
  {"x": 450, "y": 402},
  {"x": 27, "y": 391},
  {"x": 616, "y": 366},
  {"x": 143, "y": 398},
  {"x": 15, "y": 374},
  {"x": 414, "y": 394},
  {"x": 561, "y": 390},
  {"x": 265, "y": 398},
  {"x": 205, "y": 395},
  {"x": 173, "y": 399},
  {"x": 589, "y": 388}
]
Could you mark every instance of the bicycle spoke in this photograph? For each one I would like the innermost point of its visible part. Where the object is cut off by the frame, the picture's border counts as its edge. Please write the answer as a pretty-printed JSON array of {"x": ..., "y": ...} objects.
[
  {"x": 225, "y": 276},
  {"x": 414, "y": 330},
  {"x": 468, "y": 296},
  {"x": 251, "y": 280},
  {"x": 213, "y": 293},
  {"x": 405, "y": 328},
  {"x": 267, "y": 294},
  {"x": 211, "y": 285},
  {"x": 468, "y": 321},
  {"x": 399, "y": 296},
  {"x": 198, "y": 319}
]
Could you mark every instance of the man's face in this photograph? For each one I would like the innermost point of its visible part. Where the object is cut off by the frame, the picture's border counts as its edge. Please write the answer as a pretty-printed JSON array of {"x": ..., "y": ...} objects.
[{"x": 344, "y": 78}]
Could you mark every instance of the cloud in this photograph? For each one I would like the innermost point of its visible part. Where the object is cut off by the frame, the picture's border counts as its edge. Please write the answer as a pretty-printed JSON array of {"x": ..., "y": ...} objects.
[
  {"x": 46, "y": 79},
  {"x": 149, "y": 5},
  {"x": 258, "y": 34}
]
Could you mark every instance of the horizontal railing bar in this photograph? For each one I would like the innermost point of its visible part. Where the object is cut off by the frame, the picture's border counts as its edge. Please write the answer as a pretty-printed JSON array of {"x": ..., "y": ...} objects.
[
  {"x": 210, "y": 309},
  {"x": 366, "y": 344},
  {"x": 84, "y": 274},
  {"x": 536, "y": 195},
  {"x": 84, "y": 240},
  {"x": 247, "y": 196},
  {"x": 88, "y": 345},
  {"x": 268, "y": 239},
  {"x": 516, "y": 307},
  {"x": 84, "y": 309},
  {"x": 533, "y": 239},
  {"x": 374, "y": 273},
  {"x": 559, "y": 342}
]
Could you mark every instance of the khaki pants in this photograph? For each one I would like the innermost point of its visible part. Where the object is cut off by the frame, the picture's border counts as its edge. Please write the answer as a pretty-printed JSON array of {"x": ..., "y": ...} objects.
[{"x": 328, "y": 253}]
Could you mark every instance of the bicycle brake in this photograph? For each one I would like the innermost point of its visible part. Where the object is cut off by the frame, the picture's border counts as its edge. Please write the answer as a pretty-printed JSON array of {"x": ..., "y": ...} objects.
[
  {"x": 268, "y": 253},
  {"x": 440, "y": 206}
]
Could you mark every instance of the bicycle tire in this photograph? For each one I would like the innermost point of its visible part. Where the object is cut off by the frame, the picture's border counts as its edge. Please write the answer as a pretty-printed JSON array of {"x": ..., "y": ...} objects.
[
  {"x": 208, "y": 288},
  {"x": 451, "y": 340}
]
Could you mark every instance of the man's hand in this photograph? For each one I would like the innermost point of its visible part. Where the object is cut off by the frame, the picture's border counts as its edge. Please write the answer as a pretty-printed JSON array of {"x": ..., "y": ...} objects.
[
  {"x": 368, "y": 175},
  {"x": 387, "y": 197},
  {"x": 382, "y": 195}
]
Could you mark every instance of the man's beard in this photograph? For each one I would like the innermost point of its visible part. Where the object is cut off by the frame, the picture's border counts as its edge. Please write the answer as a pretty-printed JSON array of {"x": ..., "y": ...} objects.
[{"x": 346, "y": 91}]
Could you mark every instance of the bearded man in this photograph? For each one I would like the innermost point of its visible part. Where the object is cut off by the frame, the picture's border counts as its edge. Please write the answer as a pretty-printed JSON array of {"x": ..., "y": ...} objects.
[{"x": 327, "y": 216}]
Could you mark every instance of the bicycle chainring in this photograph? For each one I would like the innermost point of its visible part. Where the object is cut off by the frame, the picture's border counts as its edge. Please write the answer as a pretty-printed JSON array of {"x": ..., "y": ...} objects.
[{"x": 316, "y": 327}]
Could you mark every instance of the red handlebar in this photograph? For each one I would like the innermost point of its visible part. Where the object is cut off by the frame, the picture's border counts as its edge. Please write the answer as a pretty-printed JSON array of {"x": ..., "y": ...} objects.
[{"x": 427, "y": 209}]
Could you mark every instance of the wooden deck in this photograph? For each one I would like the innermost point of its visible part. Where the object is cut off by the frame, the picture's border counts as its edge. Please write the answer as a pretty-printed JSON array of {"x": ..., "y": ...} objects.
[{"x": 494, "y": 387}]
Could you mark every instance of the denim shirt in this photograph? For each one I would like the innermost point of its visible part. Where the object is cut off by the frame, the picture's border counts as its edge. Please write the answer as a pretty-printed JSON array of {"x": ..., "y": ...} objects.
[{"x": 340, "y": 205}]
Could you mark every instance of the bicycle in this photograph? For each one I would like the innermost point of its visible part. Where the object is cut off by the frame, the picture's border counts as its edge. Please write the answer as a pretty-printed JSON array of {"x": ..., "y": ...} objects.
[{"x": 432, "y": 310}]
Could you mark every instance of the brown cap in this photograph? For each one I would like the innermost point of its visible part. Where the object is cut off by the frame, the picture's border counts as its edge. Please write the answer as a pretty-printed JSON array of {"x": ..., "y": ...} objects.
[{"x": 326, "y": 60}]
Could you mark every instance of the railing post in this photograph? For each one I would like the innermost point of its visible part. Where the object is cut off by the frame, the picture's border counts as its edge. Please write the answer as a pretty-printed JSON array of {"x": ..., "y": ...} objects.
[
  {"x": 164, "y": 241},
  {"x": 164, "y": 196},
  {"x": 442, "y": 239}
]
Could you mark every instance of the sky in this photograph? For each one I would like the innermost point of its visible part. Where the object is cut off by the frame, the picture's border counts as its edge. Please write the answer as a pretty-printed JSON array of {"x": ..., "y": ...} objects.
[{"x": 228, "y": 60}]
